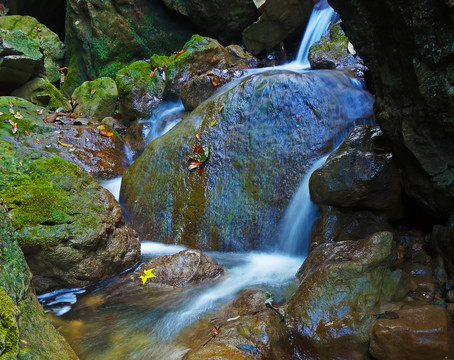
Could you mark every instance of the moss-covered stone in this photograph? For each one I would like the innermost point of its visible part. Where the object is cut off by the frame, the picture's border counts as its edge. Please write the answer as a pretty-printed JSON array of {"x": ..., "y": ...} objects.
[
  {"x": 42, "y": 93},
  {"x": 271, "y": 129},
  {"x": 97, "y": 98},
  {"x": 70, "y": 229},
  {"x": 138, "y": 93},
  {"x": 53, "y": 49},
  {"x": 25, "y": 333},
  {"x": 104, "y": 36}
]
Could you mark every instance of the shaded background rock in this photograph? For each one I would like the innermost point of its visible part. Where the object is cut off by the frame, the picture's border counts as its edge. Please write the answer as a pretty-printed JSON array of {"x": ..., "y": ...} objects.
[
  {"x": 24, "y": 328},
  {"x": 188, "y": 267},
  {"x": 52, "y": 48},
  {"x": 102, "y": 37},
  {"x": 332, "y": 52},
  {"x": 70, "y": 229},
  {"x": 222, "y": 19},
  {"x": 237, "y": 201},
  {"x": 360, "y": 174},
  {"x": 408, "y": 50},
  {"x": 279, "y": 19},
  {"x": 341, "y": 288}
]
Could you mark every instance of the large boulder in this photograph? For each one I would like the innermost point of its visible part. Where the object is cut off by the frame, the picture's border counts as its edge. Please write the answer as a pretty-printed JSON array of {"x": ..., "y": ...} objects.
[
  {"x": 20, "y": 59},
  {"x": 419, "y": 333},
  {"x": 264, "y": 133},
  {"x": 342, "y": 285},
  {"x": 408, "y": 48},
  {"x": 97, "y": 98},
  {"x": 25, "y": 332},
  {"x": 222, "y": 19},
  {"x": 334, "y": 51},
  {"x": 279, "y": 19},
  {"x": 70, "y": 229},
  {"x": 52, "y": 48},
  {"x": 138, "y": 94},
  {"x": 360, "y": 174},
  {"x": 188, "y": 267},
  {"x": 442, "y": 243},
  {"x": 102, "y": 37}
]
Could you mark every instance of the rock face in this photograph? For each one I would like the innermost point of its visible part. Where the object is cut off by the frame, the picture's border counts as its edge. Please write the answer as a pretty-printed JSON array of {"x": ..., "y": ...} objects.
[
  {"x": 412, "y": 74},
  {"x": 342, "y": 284},
  {"x": 419, "y": 333},
  {"x": 97, "y": 98},
  {"x": 222, "y": 19},
  {"x": 279, "y": 19},
  {"x": 24, "y": 330},
  {"x": 72, "y": 138},
  {"x": 188, "y": 267},
  {"x": 257, "y": 333},
  {"x": 52, "y": 48},
  {"x": 333, "y": 51},
  {"x": 442, "y": 243},
  {"x": 70, "y": 229},
  {"x": 20, "y": 59},
  {"x": 138, "y": 93},
  {"x": 102, "y": 37},
  {"x": 269, "y": 129},
  {"x": 360, "y": 174}
]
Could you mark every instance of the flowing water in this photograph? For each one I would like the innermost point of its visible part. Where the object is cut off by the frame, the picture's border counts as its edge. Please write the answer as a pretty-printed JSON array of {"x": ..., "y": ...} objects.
[{"x": 118, "y": 319}]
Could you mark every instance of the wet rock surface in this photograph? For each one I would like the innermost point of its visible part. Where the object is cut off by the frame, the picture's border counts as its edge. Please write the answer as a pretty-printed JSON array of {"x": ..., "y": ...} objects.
[
  {"x": 412, "y": 77},
  {"x": 360, "y": 174},
  {"x": 418, "y": 333},
  {"x": 188, "y": 267},
  {"x": 254, "y": 166},
  {"x": 342, "y": 284},
  {"x": 24, "y": 328},
  {"x": 71, "y": 229}
]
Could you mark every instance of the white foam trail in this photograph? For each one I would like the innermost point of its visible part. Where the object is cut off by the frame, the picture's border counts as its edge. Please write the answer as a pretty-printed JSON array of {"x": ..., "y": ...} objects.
[
  {"x": 113, "y": 185},
  {"x": 158, "y": 249}
]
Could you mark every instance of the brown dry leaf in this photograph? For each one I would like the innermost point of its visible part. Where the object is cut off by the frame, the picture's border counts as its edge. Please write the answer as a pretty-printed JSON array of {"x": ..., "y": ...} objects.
[
  {"x": 37, "y": 141},
  {"x": 64, "y": 144},
  {"x": 14, "y": 126},
  {"x": 194, "y": 164},
  {"x": 215, "y": 330},
  {"x": 153, "y": 72},
  {"x": 178, "y": 54},
  {"x": 48, "y": 119},
  {"x": 106, "y": 133},
  {"x": 215, "y": 80},
  {"x": 26, "y": 133},
  {"x": 72, "y": 116}
]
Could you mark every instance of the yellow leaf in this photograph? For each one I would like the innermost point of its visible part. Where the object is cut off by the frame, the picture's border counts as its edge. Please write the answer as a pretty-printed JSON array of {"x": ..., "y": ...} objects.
[
  {"x": 64, "y": 144},
  {"x": 213, "y": 121},
  {"x": 102, "y": 127},
  {"x": 147, "y": 274},
  {"x": 221, "y": 108},
  {"x": 18, "y": 115}
]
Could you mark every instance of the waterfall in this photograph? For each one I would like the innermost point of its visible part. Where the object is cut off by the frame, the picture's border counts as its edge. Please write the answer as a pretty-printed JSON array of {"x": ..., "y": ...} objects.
[
  {"x": 321, "y": 17},
  {"x": 300, "y": 216}
]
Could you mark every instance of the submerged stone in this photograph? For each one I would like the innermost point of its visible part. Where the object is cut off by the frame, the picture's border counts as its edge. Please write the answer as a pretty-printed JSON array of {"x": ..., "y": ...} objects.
[{"x": 263, "y": 133}]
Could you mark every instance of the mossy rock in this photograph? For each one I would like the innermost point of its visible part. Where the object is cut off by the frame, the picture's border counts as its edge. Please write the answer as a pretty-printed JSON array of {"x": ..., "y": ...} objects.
[
  {"x": 70, "y": 228},
  {"x": 53, "y": 49},
  {"x": 25, "y": 331},
  {"x": 103, "y": 37},
  {"x": 271, "y": 128},
  {"x": 20, "y": 59},
  {"x": 41, "y": 92},
  {"x": 138, "y": 93},
  {"x": 97, "y": 98},
  {"x": 200, "y": 55}
]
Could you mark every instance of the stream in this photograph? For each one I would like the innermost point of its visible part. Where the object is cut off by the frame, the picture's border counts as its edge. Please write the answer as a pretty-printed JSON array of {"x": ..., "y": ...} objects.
[{"x": 117, "y": 319}]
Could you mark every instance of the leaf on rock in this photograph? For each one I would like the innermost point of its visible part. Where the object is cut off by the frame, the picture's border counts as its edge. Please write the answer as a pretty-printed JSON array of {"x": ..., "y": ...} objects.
[
  {"x": 177, "y": 54},
  {"x": 199, "y": 155},
  {"x": 14, "y": 126},
  {"x": 147, "y": 274},
  {"x": 101, "y": 127},
  {"x": 153, "y": 72},
  {"x": 72, "y": 116},
  {"x": 106, "y": 133},
  {"x": 39, "y": 111},
  {"x": 221, "y": 109},
  {"x": 48, "y": 119},
  {"x": 214, "y": 121},
  {"x": 26, "y": 133},
  {"x": 37, "y": 141},
  {"x": 215, "y": 80},
  {"x": 64, "y": 144}
]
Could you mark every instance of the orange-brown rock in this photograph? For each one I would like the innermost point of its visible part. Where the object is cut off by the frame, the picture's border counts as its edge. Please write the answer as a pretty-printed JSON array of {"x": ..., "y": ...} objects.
[
  {"x": 420, "y": 333},
  {"x": 188, "y": 267}
]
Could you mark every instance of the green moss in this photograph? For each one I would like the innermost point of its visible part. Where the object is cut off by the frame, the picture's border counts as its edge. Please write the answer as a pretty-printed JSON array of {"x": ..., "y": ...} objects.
[
  {"x": 159, "y": 61},
  {"x": 336, "y": 45},
  {"x": 9, "y": 332}
]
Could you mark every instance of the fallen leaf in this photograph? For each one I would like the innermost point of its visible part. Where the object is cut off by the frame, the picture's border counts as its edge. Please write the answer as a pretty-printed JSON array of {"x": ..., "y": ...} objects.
[
  {"x": 26, "y": 133},
  {"x": 199, "y": 155},
  {"x": 11, "y": 110},
  {"x": 116, "y": 115},
  {"x": 215, "y": 80},
  {"x": 1, "y": 113},
  {"x": 153, "y": 72},
  {"x": 147, "y": 274},
  {"x": 39, "y": 111},
  {"x": 351, "y": 49},
  {"x": 221, "y": 109},
  {"x": 37, "y": 141},
  {"x": 197, "y": 137},
  {"x": 37, "y": 29},
  {"x": 72, "y": 116},
  {"x": 213, "y": 121},
  {"x": 27, "y": 113},
  {"x": 177, "y": 54},
  {"x": 215, "y": 330},
  {"x": 48, "y": 119},
  {"x": 194, "y": 164},
  {"x": 64, "y": 144},
  {"x": 14, "y": 126},
  {"x": 101, "y": 127},
  {"x": 106, "y": 133}
]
